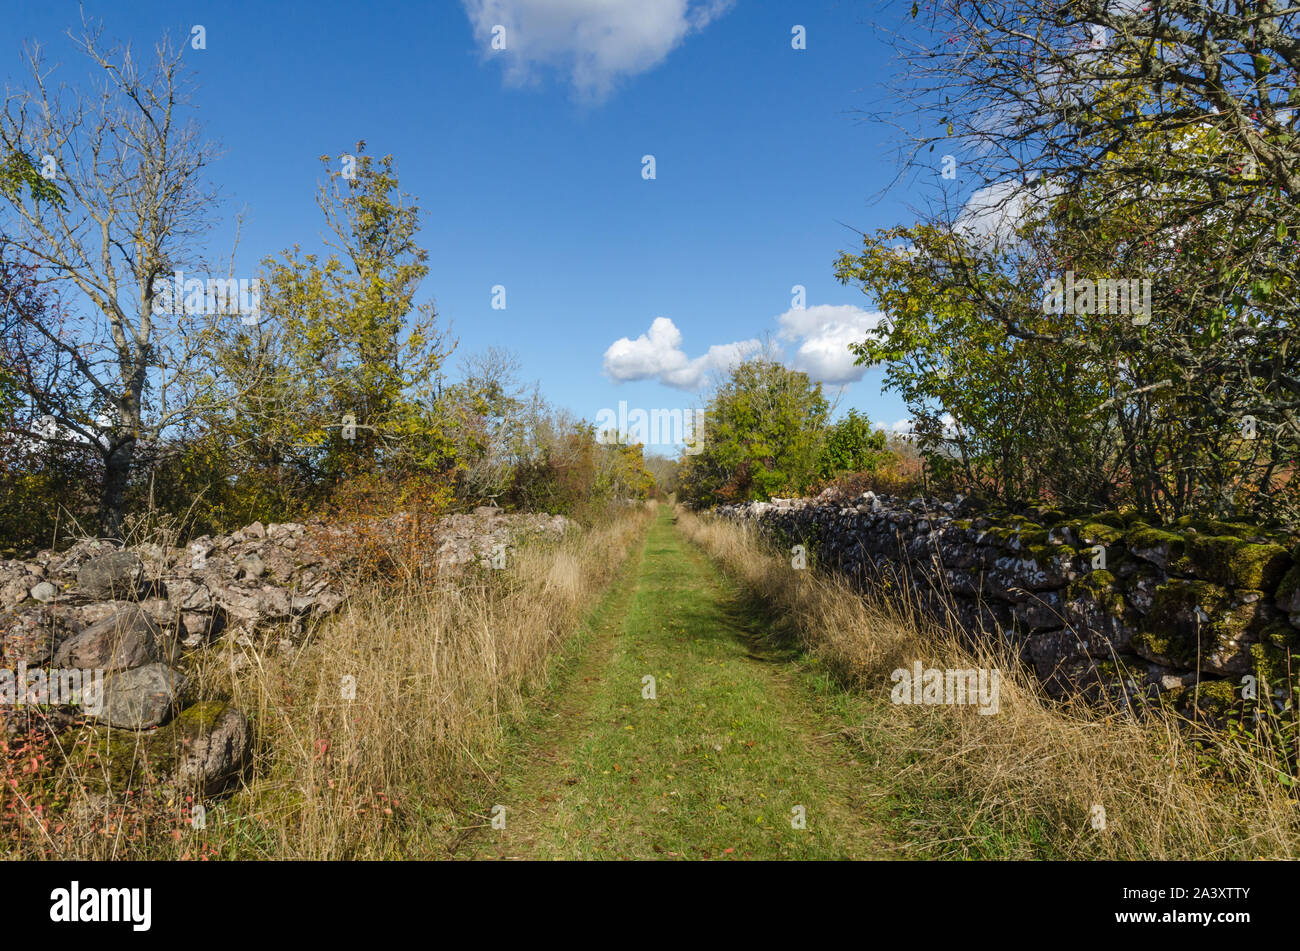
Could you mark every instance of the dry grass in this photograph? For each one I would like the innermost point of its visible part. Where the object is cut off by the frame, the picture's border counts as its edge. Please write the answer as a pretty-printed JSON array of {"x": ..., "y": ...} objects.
[
  {"x": 1022, "y": 783},
  {"x": 440, "y": 672}
]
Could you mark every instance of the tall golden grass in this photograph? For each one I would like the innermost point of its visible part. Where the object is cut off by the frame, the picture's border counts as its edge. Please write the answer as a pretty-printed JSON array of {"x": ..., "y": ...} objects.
[
  {"x": 439, "y": 672},
  {"x": 1022, "y": 783}
]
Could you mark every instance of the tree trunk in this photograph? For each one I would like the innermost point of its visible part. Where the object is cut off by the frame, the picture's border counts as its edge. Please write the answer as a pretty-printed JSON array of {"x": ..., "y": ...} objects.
[{"x": 117, "y": 472}]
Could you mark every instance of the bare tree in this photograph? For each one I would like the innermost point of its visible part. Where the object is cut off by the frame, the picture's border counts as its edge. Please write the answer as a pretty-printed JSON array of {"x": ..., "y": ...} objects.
[{"x": 124, "y": 360}]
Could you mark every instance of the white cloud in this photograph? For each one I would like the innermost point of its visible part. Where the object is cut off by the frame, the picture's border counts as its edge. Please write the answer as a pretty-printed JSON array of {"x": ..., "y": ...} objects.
[
  {"x": 823, "y": 334},
  {"x": 907, "y": 426},
  {"x": 597, "y": 42},
  {"x": 994, "y": 212},
  {"x": 658, "y": 354}
]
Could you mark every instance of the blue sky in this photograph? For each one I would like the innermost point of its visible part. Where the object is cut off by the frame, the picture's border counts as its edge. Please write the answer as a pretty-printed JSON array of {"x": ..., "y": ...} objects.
[{"x": 527, "y": 164}]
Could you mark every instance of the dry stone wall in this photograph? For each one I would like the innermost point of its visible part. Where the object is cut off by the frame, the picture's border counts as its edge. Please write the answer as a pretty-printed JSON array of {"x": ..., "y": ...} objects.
[
  {"x": 139, "y": 614},
  {"x": 1103, "y": 603}
]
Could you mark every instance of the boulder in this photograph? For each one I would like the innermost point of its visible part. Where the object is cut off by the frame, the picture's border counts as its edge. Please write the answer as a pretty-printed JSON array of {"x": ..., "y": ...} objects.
[
  {"x": 141, "y": 698},
  {"x": 214, "y": 743},
  {"x": 113, "y": 575},
  {"x": 125, "y": 639},
  {"x": 1199, "y": 625},
  {"x": 202, "y": 750}
]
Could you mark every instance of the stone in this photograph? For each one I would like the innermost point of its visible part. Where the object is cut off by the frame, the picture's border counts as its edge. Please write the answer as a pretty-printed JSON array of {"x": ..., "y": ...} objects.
[
  {"x": 1061, "y": 661},
  {"x": 251, "y": 566},
  {"x": 201, "y": 751},
  {"x": 141, "y": 698},
  {"x": 244, "y": 604},
  {"x": 1232, "y": 562},
  {"x": 1287, "y": 597},
  {"x": 1084, "y": 622},
  {"x": 1041, "y": 612},
  {"x": 1198, "y": 625},
  {"x": 128, "y": 638},
  {"x": 216, "y": 745},
  {"x": 1153, "y": 545},
  {"x": 30, "y": 637},
  {"x": 15, "y": 591},
  {"x": 44, "y": 592},
  {"x": 1096, "y": 611},
  {"x": 113, "y": 575}
]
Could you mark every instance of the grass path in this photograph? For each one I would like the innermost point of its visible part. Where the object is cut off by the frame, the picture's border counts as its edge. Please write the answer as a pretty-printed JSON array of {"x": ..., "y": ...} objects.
[{"x": 713, "y": 767}]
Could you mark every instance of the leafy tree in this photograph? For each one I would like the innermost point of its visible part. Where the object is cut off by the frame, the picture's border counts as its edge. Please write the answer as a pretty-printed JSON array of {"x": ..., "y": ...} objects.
[
  {"x": 339, "y": 376},
  {"x": 762, "y": 436},
  {"x": 993, "y": 413},
  {"x": 852, "y": 445},
  {"x": 621, "y": 472},
  {"x": 1151, "y": 141},
  {"x": 47, "y": 476},
  {"x": 486, "y": 415}
]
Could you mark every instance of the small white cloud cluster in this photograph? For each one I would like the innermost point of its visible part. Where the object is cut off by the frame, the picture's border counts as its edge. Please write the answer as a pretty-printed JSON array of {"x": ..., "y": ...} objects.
[
  {"x": 596, "y": 42},
  {"x": 820, "y": 335},
  {"x": 658, "y": 355}
]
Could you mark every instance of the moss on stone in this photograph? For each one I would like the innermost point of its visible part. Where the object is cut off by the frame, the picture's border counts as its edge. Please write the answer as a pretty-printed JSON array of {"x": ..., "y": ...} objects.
[
  {"x": 1099, "y": 533},
  {"x": 1018, "y": 529},
  {"x": 199, "y": 718},
  {"x": 1144, "y": 536},
  {"x": 116, "y": 759},
  {"x": 1236, "y": 622},
  {"x": 1214, "y": 698},
  {"x": 1049, "y": 556},
  {"x": 1272, "y": 663},
  {"x": 1102, "y": 587},
  {"x": 1210, "y": 700},
  {"x": 1289, "y": 584},
  {"x": 1236, "y": 529},
  {"x": 1116, "y": 520},
  {"x": 1093, "y": 581},
  {"x": 1280, "y": 634},
  {"x": 1169, "y": 629},
  {"x": 1230, "y": 561}
]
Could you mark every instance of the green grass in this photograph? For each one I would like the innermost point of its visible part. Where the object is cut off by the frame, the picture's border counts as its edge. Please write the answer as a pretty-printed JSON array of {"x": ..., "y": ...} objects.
[{"x": 712, "y": 768}]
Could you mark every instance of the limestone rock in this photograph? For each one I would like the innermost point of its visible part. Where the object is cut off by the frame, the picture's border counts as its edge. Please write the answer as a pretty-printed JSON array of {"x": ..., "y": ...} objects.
[
  {"x": 128, "y": 638},
  {"x": 141, "y": 698},
  {"x": 113, "y": 575}
]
